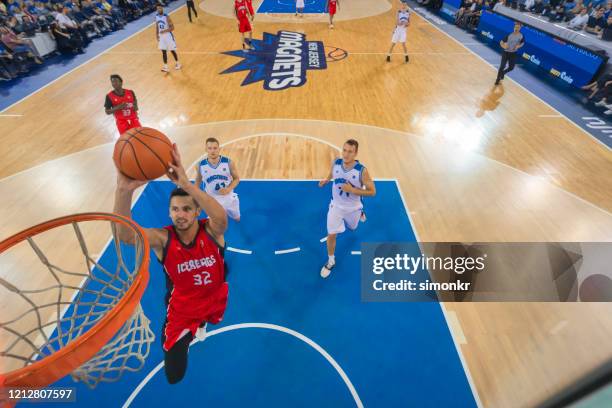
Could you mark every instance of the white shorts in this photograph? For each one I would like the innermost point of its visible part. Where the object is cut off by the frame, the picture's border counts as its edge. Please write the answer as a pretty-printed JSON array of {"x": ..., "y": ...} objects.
[
  {"x": 299, "y": 4},
  {"x": 337, "y": 217},
  {"x": 166, "y": 42},
  {"x": 399, "y": 35},
  {"x": 230, "y": 203}
]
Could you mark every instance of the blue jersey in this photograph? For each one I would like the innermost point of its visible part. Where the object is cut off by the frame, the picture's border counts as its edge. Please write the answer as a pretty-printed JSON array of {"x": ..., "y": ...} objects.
[
  {"x": 215, "y": 177},
  {"x": 352, "y": 176}
]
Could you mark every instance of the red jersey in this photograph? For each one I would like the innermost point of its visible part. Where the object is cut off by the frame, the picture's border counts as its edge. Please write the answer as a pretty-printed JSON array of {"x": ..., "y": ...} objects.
[
  {"x": 128, "y": 113},
  {"x": 196, "y": 283},
  {"x": 241, "y": 7}
]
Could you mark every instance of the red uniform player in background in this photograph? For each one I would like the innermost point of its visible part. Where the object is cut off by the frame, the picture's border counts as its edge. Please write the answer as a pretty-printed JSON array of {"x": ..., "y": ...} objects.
[
  {"x": 243, "y": 14},
  {"x": 250, "y": 6},
  {"x": 123, "y": 104},
  {"x": 332, "y": 6}
]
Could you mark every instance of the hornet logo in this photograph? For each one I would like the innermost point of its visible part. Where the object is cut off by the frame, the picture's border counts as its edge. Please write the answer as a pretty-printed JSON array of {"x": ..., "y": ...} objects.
[{"x": 280, "y": 60}]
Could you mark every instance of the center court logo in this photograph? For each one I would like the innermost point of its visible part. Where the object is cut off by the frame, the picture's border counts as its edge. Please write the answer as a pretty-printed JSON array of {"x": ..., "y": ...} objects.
[{"x": 280, "y": 61}]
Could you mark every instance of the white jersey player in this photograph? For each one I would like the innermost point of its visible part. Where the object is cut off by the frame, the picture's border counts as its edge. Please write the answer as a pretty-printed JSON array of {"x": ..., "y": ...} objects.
[
  {"x": 299, "y": 8},
  {"x": 351, "y": 181},
  {"x": 399, "y": 32},
  {"x": 165, "y": 38},
  {"x": 218, "y": 177}
]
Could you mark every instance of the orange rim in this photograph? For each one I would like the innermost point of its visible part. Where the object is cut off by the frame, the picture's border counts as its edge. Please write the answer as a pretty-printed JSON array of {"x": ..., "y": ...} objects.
[{"x": 67, "y": 359}]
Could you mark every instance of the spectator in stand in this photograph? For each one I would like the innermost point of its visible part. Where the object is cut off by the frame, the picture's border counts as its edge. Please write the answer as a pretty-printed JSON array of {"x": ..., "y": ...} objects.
[
  {"x": 68, "y": 24},
  {"x": 29, "y": 26},
  {"x": 66, "y": 42},
  {"x": 596, "y": 23},
  {"x": 573, "y": 10},
  {"x": 538, "y": 7},
  {"x": 466, "y": 5},
  {"x": 580, "y": 21},
  {"x": 93, "y": 14},
  {"x": 84, "y": 23},
  {"x": 18, "y": 45},
  {"x": 606, "y": 33},
  {"x": 8, "y": 69},
  {"x": 472, "y": 16}
]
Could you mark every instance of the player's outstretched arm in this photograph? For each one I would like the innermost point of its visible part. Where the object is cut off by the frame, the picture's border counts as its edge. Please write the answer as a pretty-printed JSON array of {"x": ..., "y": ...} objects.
[
  {"x": 198, "y": 179},
  {"x": 214, "y": 210},
  {"x": 123, "y": 203}
]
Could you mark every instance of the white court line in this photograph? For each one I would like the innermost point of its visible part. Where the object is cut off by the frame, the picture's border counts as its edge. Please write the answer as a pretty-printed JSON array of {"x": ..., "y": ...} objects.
[
  {"x": 466, "y": 368},
  {"x": 85, "y": 63},
  {"x": 287, "y": 251},
  {"x": 516, "y": 82},
  {"x": 550, "y": 116},
  {"x": 8, "y": 115},
  {"x": 268, "y": 326},
  {"x": 240, "y": 251},
  {"x": 558, "y": 327},
  {"x": 355, "y": 252}
]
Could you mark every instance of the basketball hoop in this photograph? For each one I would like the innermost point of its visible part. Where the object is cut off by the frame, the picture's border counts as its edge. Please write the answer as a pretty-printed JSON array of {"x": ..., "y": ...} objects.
[{"x": 61, "y": 320}]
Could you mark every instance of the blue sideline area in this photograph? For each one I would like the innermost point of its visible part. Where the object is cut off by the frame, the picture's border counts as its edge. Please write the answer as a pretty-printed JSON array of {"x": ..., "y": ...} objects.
[
  {"x": 563, "y": 97},
  {"x": 58, "y": 65},
  {"x": 394, "y": 354},
  {"x": 288, "y": 6}
]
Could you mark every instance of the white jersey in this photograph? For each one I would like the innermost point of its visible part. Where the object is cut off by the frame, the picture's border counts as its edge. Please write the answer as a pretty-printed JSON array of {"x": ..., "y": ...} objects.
[
  {"x": 403, "y": 16},
  {"x": 161, "y": 22},
  {"x": 216, "y": 177},
  {"x": 354, "y": 177},
  {"x": 166, "y": 40}
]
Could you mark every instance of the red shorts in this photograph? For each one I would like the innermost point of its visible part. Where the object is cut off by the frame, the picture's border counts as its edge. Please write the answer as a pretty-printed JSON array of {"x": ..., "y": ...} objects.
[
  {"x": 179, "y": 323},
  {"x": 124, "y": 125},
  {"x": 332, "y": 10},
  {"x": 244, "y": 25}
]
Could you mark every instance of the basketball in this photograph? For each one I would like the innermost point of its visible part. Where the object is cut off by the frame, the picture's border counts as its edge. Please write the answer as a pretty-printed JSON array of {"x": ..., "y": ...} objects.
[{"x": 143, "y": 153}]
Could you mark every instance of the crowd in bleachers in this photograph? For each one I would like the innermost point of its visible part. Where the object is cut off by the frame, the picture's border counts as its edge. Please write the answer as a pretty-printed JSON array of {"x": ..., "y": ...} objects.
[
  {"x": 593, "y": 17},
  {"x": 71, "y": 24}
]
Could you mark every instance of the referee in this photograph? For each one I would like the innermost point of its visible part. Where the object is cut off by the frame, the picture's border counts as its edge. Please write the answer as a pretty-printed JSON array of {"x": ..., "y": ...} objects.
[
  {"x": 511, "y": 43},
  {"x": 190, "y": 7}
]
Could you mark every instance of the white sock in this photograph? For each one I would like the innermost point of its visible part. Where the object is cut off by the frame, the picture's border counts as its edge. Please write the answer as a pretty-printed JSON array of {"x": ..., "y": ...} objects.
[{"x": 331, "y": 260}]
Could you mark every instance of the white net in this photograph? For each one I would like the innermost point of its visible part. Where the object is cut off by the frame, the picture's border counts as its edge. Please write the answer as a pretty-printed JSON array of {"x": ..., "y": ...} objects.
[{"x": 57, "y": 285}]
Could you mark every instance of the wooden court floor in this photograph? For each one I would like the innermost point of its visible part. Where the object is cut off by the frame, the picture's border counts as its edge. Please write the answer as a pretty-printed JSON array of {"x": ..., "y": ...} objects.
[{"x": 474, "y": 163}]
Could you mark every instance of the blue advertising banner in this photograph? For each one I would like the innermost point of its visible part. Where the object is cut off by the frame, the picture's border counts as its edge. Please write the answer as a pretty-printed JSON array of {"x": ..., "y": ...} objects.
[
  {"x": 568, "y": 62},
  {"x": 449, "y": 9}
]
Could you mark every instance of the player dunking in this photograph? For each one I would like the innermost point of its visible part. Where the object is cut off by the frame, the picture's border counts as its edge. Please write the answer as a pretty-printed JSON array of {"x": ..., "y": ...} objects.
[
  {"x": 191, "y": 252},
  {"x": 165, "y": 38},
  {"x": 243, "y": 14},
  {"x": 218, "y": 177},
  {"x": 332, "y": 6},
  {"x": 351, "y": 182},
  {"x": 123, "y": 104},
  {"x": 399, "y": 33}
]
